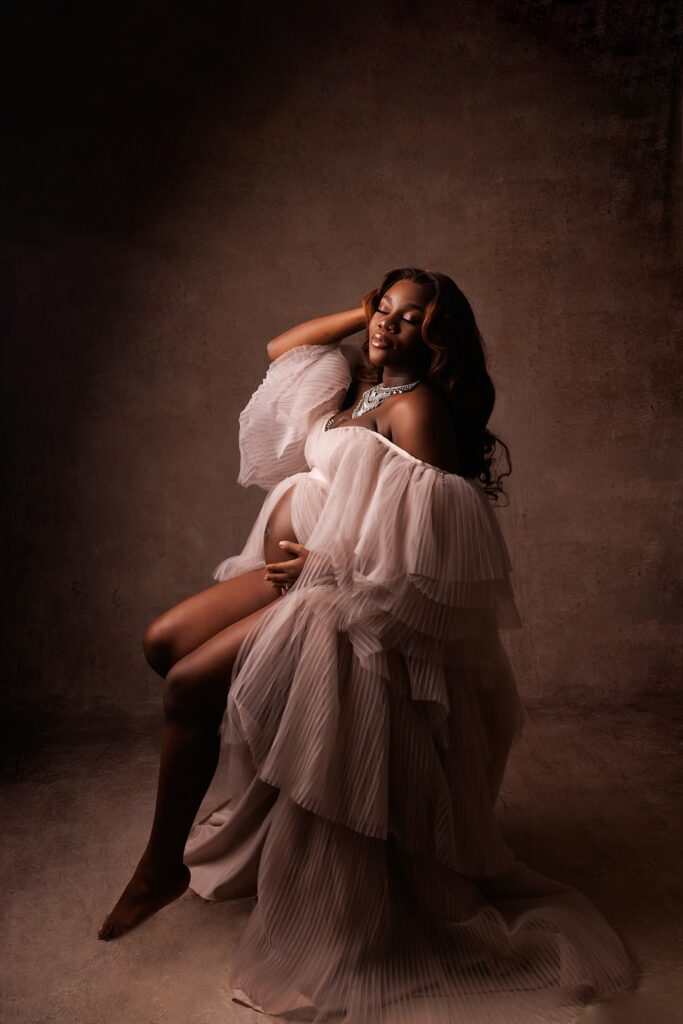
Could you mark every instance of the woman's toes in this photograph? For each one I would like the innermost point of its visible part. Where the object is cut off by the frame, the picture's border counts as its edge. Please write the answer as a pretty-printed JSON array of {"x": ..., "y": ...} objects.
[{"x": 142, "y": 898}]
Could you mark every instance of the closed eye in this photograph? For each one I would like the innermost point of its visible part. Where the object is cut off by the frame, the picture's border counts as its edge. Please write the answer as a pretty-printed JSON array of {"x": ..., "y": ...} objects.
[{"x": 380, "y": 310}]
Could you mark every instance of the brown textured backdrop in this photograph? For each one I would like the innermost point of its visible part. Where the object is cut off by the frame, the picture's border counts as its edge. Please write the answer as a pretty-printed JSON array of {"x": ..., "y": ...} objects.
[{"x": 180, "y": 186}]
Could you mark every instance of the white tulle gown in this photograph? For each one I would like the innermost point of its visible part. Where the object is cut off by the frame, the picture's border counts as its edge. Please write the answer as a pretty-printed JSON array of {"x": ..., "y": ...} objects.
[{"x": 370, "y": 715}]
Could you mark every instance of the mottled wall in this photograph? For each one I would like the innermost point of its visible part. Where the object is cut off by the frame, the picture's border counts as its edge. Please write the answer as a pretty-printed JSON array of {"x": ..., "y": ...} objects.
[{"x": 181, "y": 190}]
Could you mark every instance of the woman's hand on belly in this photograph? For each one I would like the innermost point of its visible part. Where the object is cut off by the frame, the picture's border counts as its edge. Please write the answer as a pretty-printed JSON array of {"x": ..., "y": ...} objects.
[{"x": 283, "y": 574}]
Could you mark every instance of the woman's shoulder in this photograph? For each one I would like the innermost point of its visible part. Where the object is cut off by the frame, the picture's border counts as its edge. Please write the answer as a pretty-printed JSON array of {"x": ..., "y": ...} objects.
[
  {"x": 420, "y": 423},
  {"x": 425, "y": 399}
]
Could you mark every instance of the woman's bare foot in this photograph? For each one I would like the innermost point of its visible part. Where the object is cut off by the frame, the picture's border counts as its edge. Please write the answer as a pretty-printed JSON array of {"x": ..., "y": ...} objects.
[{"x": 146, "y": 893}]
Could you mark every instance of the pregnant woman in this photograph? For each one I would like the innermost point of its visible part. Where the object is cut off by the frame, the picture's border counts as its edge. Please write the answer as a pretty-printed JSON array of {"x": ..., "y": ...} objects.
[{"x": 349, "y": 666}]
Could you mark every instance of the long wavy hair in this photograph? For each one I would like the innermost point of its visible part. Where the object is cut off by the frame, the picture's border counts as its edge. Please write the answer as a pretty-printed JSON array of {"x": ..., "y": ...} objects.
[{"x": 455, "y": 364}]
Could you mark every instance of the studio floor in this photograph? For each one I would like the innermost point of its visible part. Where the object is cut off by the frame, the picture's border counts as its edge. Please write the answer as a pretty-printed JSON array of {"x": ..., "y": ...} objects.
[{"x": 591, "y": 797}]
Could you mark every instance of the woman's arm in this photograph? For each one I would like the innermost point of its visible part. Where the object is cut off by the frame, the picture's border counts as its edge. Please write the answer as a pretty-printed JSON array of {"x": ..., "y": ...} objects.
[{"x": 322, "y": 330}]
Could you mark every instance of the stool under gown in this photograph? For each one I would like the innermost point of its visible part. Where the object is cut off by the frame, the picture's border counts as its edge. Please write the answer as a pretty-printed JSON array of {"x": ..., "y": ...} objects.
[{"x": 369, "y": 719}]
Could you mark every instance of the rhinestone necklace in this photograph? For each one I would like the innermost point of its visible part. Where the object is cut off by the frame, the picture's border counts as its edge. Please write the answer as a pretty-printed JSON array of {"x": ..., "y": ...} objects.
[{"x": 373, "y": 397}]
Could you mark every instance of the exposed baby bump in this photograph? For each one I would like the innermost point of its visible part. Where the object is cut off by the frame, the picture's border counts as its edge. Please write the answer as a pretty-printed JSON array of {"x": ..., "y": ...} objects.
[{"x": 279, "y": 527}]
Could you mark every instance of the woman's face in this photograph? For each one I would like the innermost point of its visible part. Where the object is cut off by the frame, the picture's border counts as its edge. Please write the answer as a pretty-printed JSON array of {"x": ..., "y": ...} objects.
[{"x": 395, "y": 329}]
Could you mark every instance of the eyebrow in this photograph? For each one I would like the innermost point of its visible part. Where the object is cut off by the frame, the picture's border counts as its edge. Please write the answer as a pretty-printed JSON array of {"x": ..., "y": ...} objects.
[{"x": 412, "y": 304}]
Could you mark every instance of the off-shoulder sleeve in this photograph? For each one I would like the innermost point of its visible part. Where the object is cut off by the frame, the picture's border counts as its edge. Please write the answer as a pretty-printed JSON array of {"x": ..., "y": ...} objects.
[
  {"x": 299, "y": 386},
  {"x": 403, "y": 536}
]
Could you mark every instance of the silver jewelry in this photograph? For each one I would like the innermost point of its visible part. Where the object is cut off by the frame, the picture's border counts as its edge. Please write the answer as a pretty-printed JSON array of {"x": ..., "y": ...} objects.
[{"x": 374, "y": 396}]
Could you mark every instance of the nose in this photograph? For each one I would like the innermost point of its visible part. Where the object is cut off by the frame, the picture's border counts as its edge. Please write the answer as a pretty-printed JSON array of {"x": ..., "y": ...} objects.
[{"x": 386, "y": 322}]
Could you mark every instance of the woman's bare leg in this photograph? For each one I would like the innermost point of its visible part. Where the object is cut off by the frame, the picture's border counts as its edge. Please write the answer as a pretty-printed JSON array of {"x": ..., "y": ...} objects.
[
  {"x": 190, "y": 623},
  {"x": 194, "y": 702}
]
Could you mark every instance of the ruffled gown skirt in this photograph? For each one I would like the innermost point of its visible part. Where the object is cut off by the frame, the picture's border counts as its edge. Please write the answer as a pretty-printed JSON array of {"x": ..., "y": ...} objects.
[{"x": 360, "y": 815}]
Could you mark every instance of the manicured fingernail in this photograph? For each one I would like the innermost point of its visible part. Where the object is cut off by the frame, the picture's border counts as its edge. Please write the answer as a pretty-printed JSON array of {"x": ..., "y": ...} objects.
[{"x": 281, "y": 543}]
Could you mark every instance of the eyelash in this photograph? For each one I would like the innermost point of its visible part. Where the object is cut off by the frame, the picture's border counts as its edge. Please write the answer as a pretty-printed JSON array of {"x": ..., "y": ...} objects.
[{"x": 379, "y": 310}]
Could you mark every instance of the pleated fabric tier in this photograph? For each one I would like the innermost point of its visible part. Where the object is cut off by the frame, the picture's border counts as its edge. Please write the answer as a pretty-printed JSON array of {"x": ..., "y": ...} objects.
[{"x": 369, "y": 720}]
